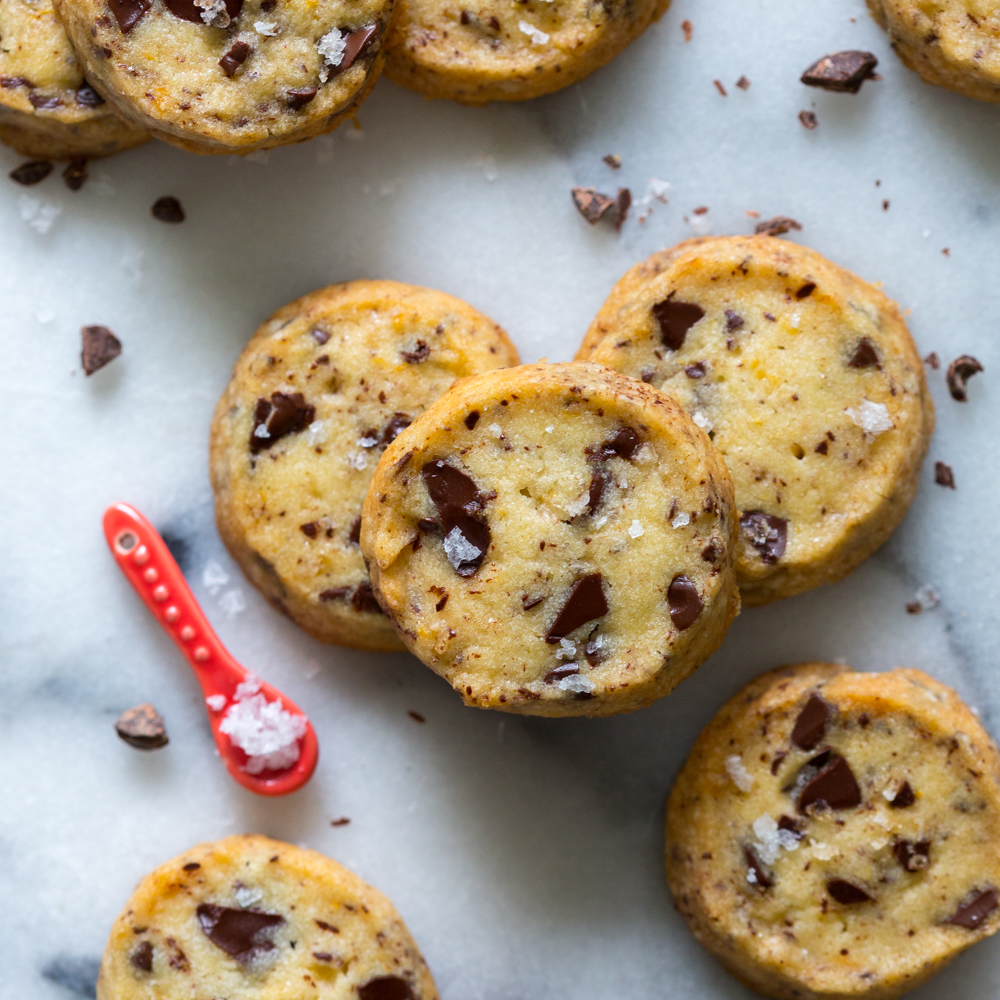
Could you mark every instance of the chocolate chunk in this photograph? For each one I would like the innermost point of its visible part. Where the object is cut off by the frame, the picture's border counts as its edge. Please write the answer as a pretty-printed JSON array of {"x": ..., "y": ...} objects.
[
  {"x": 563, "y": 670},
  {"x": 189, "y": 11},
  {"x": 241, "y": 934},
  {"x": 959, "y": 373},
  {"x": 167, "y": 209},
  {"x": 586, "y": 602},
  {"x": 363, "y": 599},
  {"x": 711, "y": 552},
  {"x": 282, "y": 414},
  {"x": 87, "y": 97},
  {"x": 904, "y": 798},
  {"x": 841, "y": 71},
  {"x": 32, "y": 172},
  {"x": 806, "y": 290},
  {"x": 777, "y": 226},
  {"x": 622, "y": 204},
  {"x": 808, "y": 120},
  {"x": 11, "y": 82},
  {"x": 595, "y": 650},
  {"x": 386, "y": 988},
  {"x": 75, "y": 174},
  {"x": 734, "y": 321},
  {"x": 697, "y": 370},
  {"x": 598, "y": 483},
  {"x": 529, "y": 602},
  {"x": 100, "y": 346},
  {"x": 624, "y": 444},
  {"x": 811, "y": 723},
  {"x": 972, "y": 913},
  {"x": 325, "y": 956},
  {"x": 933, "y": 361},
  {"x": 142, "y": 727},
  {"x": 310, "y": 530},
  {"x": 675, "y": 318},
  {"x": 334, "y": 593},
  {"x": 356, "y": 44},
  {"x": 319, "y": 335},
  {"x": 457, "y": 499},
  {"x": 191, "y": 866},
  {"x": 142, "y": 957},
  {"x": 834, "y": 786},
  {"x": 397, "y": 422},
  {"x": 685, "y": 602},
  {"x": 613, "y": 160},
  {"x": 237, "y": 56},
  {"x": 354, "y": 535},
  {"x": 43, "y": 102},
  {"x": 472, "y": 419},
  {"x": 914, "y": 857},
  {"x": 864, "y": 356},
  {"x": 441, "y": 603},
  {"x": 786, "y": 822},
  {"x": 419, "y": 353},
  {"x": 762, "y": 878},
  {"x": 943, "y": 475},
  {"x": 766, "y": 533},
  {"x": 846, "y": 892},
  {"x": 591, "y": 204},
  {"x": 743, "y": 83},
  {"x": 128, "y": 13}
]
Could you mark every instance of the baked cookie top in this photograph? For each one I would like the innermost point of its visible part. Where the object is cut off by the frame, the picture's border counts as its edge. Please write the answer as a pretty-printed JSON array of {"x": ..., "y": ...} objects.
[
  {"x": 554, "y": 540},
  {"x": 836, "y": 833},
  {"x": 252, "y": 917},
  {"x": 322, "y": 388},
  {"x": 805, "y": 378}
]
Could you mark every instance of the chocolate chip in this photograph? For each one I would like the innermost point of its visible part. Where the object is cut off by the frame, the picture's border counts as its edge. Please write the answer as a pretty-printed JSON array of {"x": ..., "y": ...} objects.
[
  {"x": 904, "y": 798},
  {"x": 142, "y": 727},
  {"x": 386, "y": 988},
  {"x": 354, "y": 535},
  {"x": 734, "y": 321},
  {"x": 310, "y": 530},
  {"x": 75, "y": 174},
  {"x": 835, "y": 786},
  {"x": 268, "y": 5},
  {"x": 685, "y": 602},
  {"x": 846, "y": 892},
  {"x": 766, "y": 533},
  {"x": 586, "y": 602},
  {"x": 457, "y": 499},
  {"x": 761, "y": 876},
  {"x": 697, "y": 370},
  {"x": 334, "y": 593},
  {"x": 943, "y": 475},
  {"x": 563, "y": 670},
  {"x": 419, "y": 353},
  {"x": 441, "y": 603},
  {"x": 808, "y": 120},
  {"x": 42, "y": 102},
  {"x": 622, "y": 204},
  {"x": 10, "y": 82},
  {"x": 100, "y": 346},
  {"x": 32, "y": 172},
  {"x": 841, "y": 71},
  {"x": 811, "y": 723},
  {"x": 933, "y": 361},
  {"x": 786, "y": 822},
  {"x": 325, "y": 956},
  {"x": 397, "y": 422},
  {"x": 598, "y": 483},
  {"x": 822, "y": 448},
  {"x": 284, "y": 413},
  {"x": 914, "y": 857},
  {"x": 142, "y": 957},
  {"x": 806, "y": 290},
  {"x": 189, "y": 11},
  {"x": 237, "y": 56},
  {"x": 675, "y": 318},
  {"x": 624, "y": 444},
  {"x": 87, "y": 97},
  {"x": 711, "y": 552},
  {"x": 191, "y": 866},
  {"x": 959, "y": 373},
  {"x": 472, "y": 419},
  {"x": 319, "y": 335},
  {"x": 356, "y": 44},
  {"x": 167, "y": 210},
  {"x": 363, "y": 599},
  {"x": 864, "y": 356},
  {"x": 973, "y": 912},
  {"x": 777, "y": 226},
  {"x": 591, "y": 204},
  {"x": 241, "y": 934},
  {"x": 128, "y": 13}
]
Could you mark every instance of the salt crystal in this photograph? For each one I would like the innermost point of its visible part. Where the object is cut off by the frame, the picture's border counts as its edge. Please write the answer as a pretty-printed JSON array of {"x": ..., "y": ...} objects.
[
  {"x": 261, "y": 431},
  {"x": 331, "y": 50},
  {"x": 38, "y": 214},
  {"x": 635, "y": 529},
  {"x": 576, "y": 683},
  {"x": 751, "y": 876},
  {"x": 537, "y": 37},
  {"x": 367, "y": 442},
  {"x": 246, "y": 896},
  {"x": 702, "y": 421},
  {"x": 262, "y": 729},
  {"x": 680, "y": 520},
  {"x": 771, "y": 839},
  {"x": 872, "y": 418},
  {"x": 232, "y": 603},
  {"x": 248, "y": 687},
  {"x": 317, "y": 432},
  {"x": 883, "y": 821},
  {"x": 357, "y": 460},
  {"x": 459, "y": 549},
  {"x": 742, "y": 778},
  {"x": 269, "y": 28},
  {"x": 927, "y": 597},
  {"x": 216, "y": 702},
  {"x": 567, "y": 650},
  {"x": 214, "y": 577},
  {"x": 214, "y": 12},
  {"x": 825, "y": 852},
  {"x": 576, "y": 507},
  {"x": 496, "y": 430},
  {"x": 549, "y": 429}
]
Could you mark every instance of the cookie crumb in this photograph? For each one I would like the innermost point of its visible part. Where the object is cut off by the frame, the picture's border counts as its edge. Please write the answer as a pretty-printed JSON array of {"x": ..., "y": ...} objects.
[
  {"x": 933, "y": 361},
  {"x": 142, "y": 727},
  {"x": 100, "y": 346},
  {"x": 885, "y": 204},
  {"x": 943, "y": 475},
  {"x": 959, "y": 373},
  {"x": 613, "y": 160},
  {"x": 808, "y": 120},
  {"x": 167, "y": 209},
  {"x": 688, "y": 28}
]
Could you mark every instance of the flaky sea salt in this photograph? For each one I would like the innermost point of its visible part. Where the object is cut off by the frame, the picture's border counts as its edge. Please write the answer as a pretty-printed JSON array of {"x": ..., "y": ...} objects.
[
  {"x": 576, "y": 683},
  {"x": 317, "y": 433},
  {"x": 771, "y": 839},
  {"x": 357, "y": 460},
  {"x": 232, "y": 603},
  {"x": 262, "y": 729},
  {"x": 635, "y": 529},
  {"x": 872, "y": 418},
  {"x": 567, "y": 650},
  {"x": 537, "y": 36},
  {"x": 656, "y": 190},
  {"x": 269, "y": 28},
  {"x": 246, "y": 896},
  {"x": 549, "y": 429},
  {"x": 496, "y": 430},
  {"x": 38, "y": 214},
  {"x": 216, "y": 702},
  {"x": 214, "y": 12},
  {"x": 702, "y": 421},
  {"x": 680, "y": 520},
  {"x": 742, "y": 778},
  {"x": 459, "y": 549},
  {"x": 214, "y": 577},
  {"x": 367, "y": 442},
  {"x": 331, "y": 49}
]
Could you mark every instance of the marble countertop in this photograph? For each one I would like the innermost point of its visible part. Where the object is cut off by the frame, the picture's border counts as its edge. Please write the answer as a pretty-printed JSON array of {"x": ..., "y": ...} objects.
[{"x": 525, "y": 854}]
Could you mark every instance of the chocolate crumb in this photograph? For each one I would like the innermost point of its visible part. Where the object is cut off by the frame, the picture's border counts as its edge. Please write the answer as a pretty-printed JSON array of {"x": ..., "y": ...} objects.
[
  {"x": 416, "y": 716},
  {"x": 299, "y": 97},
  {"x": 236, "y": 57},
  {"x": 864, "y": 356},
  {"x": 142, "y": 957},
  {"x": 959, "y": 373},
  {"x": 762, "y": 878},
  {"x": 100, "y": 346},
  {"x": 622, "y": 204},
  {"x": 843, "y": 72},
  {"x": 32, "y": 172},
  {"x": 743, "y": 83},
  {"x": 808, "y": 120},
  {"x": 310, "y": 530},
  {"x": 167, "y": 209},
  {"x": 912, "y": 856},
  {"x": 933, "y": 361},
  {"x": 810, "y": 726},
  {"x": 75, "y": 174},
  {"x": 719, "y": 87},
  {"x": 777, "y": 226},
  {"x": 613, "y": 160},
  {"x": 87, "y": 97},
  {"x": 418, "y": 353},
  {"x": 340, "y": 821},
  {"x": 191, "y": 866},
  {"x": 943, "y": 475},
  {"x": 846, "y": 893},
  {"x": 591, "y": 204},
  {"x": 688, "y": 30},
  {"x": 142, "y": 727}
]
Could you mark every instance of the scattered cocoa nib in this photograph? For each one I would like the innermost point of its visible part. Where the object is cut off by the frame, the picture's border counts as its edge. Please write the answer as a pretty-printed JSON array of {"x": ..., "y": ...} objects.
[
  {"x": 904, "y": 798},
  {"x": 167, "y": 209},
  {"x": 241, "y": 934},
  {"x": 810, "y": 726},
  {"x": 310, "y": 530},
  {"x": 684, "y": 601},
  {"x": 808, "y": 120},
  {"x": 386, "y": 988},
  {"x": 613, "y": 160},
  {"x": 591, "y": 204},
  {"x": 933, "y": 361},
  {"x": 563, "y": 670},
  {"x": 32, "y": 172},
  {"x": 418, "y": 353},
  {"x": 843, "y": 72},
  {"x": 762, "y": 878},
  {"x": 622, "y": 204},
  {"x": 734, "y": 321},
  {"x": 675, "y": 318},
  {"x": 834, "y": 786},
  {"x": 864, "y": 356},
  {"x": 586, "y": 601},
  {"x": 236, "y": 57},
  {"x": 743, "y": 83},
  {"x": 720, "y": 88},
  {"x": 283, "y": 413},
  {"x": 142, "y": 957},
  {"x": 777, "y": 226},
  {"x": 100, "y": 346},
  {"x": 128, "y": 13},
  {"x": 766, "y": 533},
  {"x": 846, "y": 893},
  {"x": 142, "y": 727},
  {"x": 87, "y": 97},
  {"x": 943, "y": 475},
  {"x": 913, "y": 857},
  {"x": 975, "y": 910},
  {"x": 959, "y": 373},
  {"x": 75, "y": 174}
]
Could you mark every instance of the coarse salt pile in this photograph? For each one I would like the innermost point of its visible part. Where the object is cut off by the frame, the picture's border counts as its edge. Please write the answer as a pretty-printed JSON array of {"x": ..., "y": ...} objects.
[{"x": 267, "y": 733}]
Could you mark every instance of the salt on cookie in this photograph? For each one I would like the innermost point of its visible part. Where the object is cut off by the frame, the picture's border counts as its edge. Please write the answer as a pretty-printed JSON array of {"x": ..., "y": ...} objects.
[
  {"x": 322, "y": 388},
  {"x": 837, "y": 834},
  {"x": 952, "y": 43},
  {"x": 806, "y": 379},
  {"x": 498, "y": 51},
  {"x": 230, "y": 76},
  {"x": 47, "y": 108},
  {"x": 554, "y": 540},
  {"x": 250, "y": 916}
]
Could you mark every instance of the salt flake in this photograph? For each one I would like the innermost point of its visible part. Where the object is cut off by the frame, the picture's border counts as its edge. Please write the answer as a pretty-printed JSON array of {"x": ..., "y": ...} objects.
[
  {"x": 496, "y": 430},
  {"x": 635, "y": 529},
  {"x": 680, "y": 520},
  {"x": 357, "y": 460},
  {"x": 269, "y": 28},
  {"x": 459, "y": 549},
  {"x": 537, "y": 36},
  {"x": 576, "y": 683},
  {"x": 331, "y": 49},
  {"x": 246, "y": 896},
  {"x": 742, "y": 778},
  {"x": 267, "y": 733},
  {"x": 38, "y": 214},
  {"x": 317, "y": 432},
  {"x": 232, "y": 603},
  {"x": 216, "y": 702},
  {"x": 214, "y": 577},
  {"x": 567, "y": 650},
  {"x": 702, "y": 421},
  {"x": 214, "y": 12},
  {"x": 872, "y": 418},
  {"x": 549, "y": 429}
]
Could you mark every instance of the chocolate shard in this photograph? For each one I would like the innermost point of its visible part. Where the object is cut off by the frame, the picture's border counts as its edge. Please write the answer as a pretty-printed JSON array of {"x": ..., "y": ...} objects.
[
  {"x": 586, "y": 602},
  {"x": 912, "y": 856},
  {"x": 777, "y": 226},
  {"x": 563, "y": 670},
  {"x": 354, "y": 535},
  {"x": 864, "y": 356},
  {"x": 457, "y": 499},
  {"x": 451, "y": 491},
  {"x": 363, "y": 600},
  {"x": 356, "y": 44},
  {"x": 762, "y": 878},
  {"x": 975, "y": 910},
  {"x": 471, "y": 419},
  {"x": 808, "y": 120},
  {"x": 766, "y": 533},
  {"x": 283, "y": 413},
  {"x": 806, "y": 290},
  {"x": 624, "y": 444},
  {"x": 843, "y": 72},
  {"x": 142, "y": 727},
  {"x": 810, "y": 726},
  {"x": 622, "y": 204},
  {"x": 167, "y": 209},
  {"x": 386, "y": 988},
  {"x": 787, "y": 823},
  {"x": 675, "y": 318},
  {"x": 834, "y": 786},
  {"x": 32, "y": 172},
  {"x": 398, "y": 422},
  {"x": 100, "y": 346},
  {"x": 297, "y": 99},
  {"x": 75, "y": 174},
  {"x": 87, "y": 97},
  {"x": 188, "y": 10},
  {"x": 591, "y": 204},
  {"x": 904, "y": 798},
  {"x": 846, "y": 892},
  {"x": 685, "y": 602},
  {"x": 12, "y": 82},
  {"x": 142, "y": 957},
  {"x": 236, "y": 57},
  {"x": 598, "y": 484},
  {"x": 943, "y": 475},
  {"x": 241, "y": 934},
  {"x": 44, "y": 102},
  {"x": 128, "y": 13},
  {"x": 959, "y": 373}
]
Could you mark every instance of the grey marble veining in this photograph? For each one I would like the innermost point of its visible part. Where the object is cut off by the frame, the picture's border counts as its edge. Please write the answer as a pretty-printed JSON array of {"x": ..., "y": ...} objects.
[{"x": 524, "y": 853}]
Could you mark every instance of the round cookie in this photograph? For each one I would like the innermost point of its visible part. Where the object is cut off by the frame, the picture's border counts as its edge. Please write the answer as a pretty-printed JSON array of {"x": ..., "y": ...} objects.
[
  {"x": 835, "y": 834},
  {"x": 554, "y": 540},
  {"x": 498, "y": 51},
  {"x": 230, "y": 76},
  {"x": 253, "y": 917},
  {"x": 320, "y": 390},
  {"x": 953, "y": 43},
  {"x": 47, "y": 108},
  {"x": 807, "y": 381}
]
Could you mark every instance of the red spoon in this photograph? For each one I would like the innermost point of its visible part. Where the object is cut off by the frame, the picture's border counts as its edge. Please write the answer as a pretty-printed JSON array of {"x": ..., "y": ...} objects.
[{"x": 240, "y": 707}]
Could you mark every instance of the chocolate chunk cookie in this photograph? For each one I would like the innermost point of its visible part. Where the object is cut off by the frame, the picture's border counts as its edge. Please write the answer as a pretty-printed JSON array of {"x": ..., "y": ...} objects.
[
  {"x": 499, "y": 51},
  {"x": 837, "y": 834},
  {"x": 321, "y": 390},
  {"x": 230, "y": 76},
  {"x": 952, "y": 43},
  {"x": 554, "y": 540},
  {"x": 805, "y": 378},
  {"x": 47, "y": 108},
  {"x": 253, "y": 917}
]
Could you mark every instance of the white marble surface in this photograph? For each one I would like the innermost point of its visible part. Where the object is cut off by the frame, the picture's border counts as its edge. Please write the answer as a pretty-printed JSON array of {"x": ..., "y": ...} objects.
[{"x": 524, "y": 854}]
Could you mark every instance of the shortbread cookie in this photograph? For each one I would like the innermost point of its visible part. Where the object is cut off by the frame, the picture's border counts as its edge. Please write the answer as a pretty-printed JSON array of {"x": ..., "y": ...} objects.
[
  {"x": 837, "y": 834},
  {"x": 499, "y": 51},
  {"x": 953, "y": 43},
  {"x": 47, "y": 108},
  {"x": 317, "y": 395},
  {"x": 254, "y": 917},
  {"x": 230, "y": 76},
  {"x": 807, "y": 381},
  {"x": 554, "y": 540}
]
